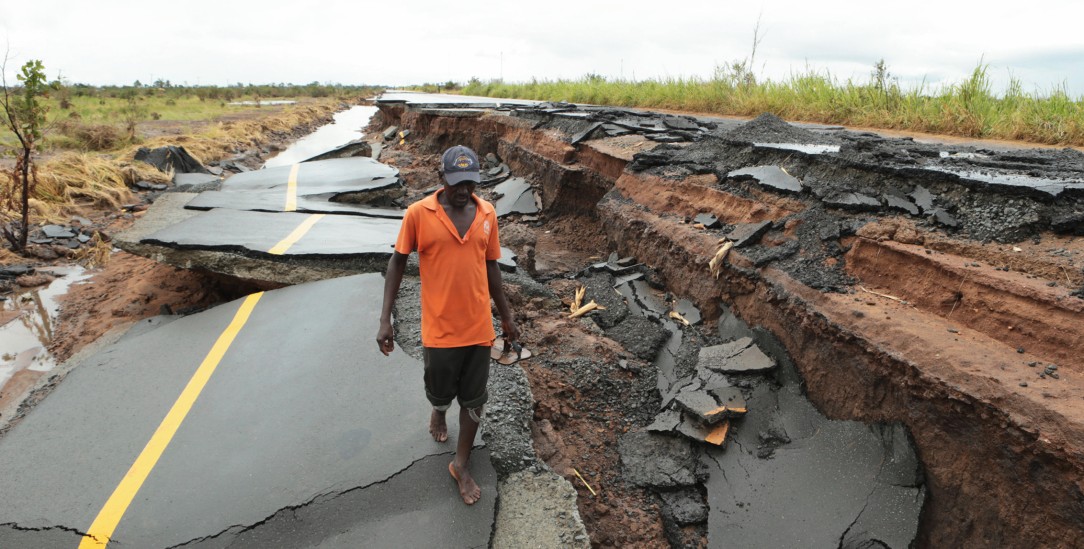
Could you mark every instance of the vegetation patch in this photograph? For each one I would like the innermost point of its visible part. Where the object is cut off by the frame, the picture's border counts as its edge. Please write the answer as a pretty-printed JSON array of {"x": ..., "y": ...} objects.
[{"x": 968, "y": 109}]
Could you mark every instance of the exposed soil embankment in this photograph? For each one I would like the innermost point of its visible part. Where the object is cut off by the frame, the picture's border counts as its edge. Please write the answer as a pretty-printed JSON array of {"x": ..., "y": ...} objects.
[{"x": 904, "y": 286}]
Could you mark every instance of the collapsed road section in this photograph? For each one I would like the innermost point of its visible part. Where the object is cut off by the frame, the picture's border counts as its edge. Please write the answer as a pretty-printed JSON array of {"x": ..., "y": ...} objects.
[
  {"x": 923, "y": 296},
  {"x": 936, "y": 285}
]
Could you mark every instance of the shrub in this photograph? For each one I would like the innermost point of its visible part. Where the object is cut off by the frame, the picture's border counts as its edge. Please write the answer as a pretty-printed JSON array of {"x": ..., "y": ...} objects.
[{"x": 92, "y": 137}]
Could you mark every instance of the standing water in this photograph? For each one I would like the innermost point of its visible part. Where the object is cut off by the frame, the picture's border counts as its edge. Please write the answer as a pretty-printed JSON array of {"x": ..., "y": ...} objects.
[
  {"x": 347, "y": 127},
  {"x": 27, "y": 328}
]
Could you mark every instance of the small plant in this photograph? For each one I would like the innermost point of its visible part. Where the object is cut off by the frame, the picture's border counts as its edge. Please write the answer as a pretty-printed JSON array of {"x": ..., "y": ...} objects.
[
  {"x": 132, "y": 112},
  {"x": 880, "y": 76},
  {"x": 25, "y": 114}
]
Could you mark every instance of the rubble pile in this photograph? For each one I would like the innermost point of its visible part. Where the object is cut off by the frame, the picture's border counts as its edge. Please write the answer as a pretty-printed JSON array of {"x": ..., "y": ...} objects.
[{"x": 733, "y": 420}]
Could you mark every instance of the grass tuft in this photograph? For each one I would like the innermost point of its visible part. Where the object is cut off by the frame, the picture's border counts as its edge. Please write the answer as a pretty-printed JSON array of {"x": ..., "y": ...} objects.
[{"x": 95, "y": 253}]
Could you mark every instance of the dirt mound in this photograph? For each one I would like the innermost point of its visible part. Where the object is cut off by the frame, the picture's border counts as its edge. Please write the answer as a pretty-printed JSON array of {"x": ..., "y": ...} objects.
[{"x": 769, "y": 128}]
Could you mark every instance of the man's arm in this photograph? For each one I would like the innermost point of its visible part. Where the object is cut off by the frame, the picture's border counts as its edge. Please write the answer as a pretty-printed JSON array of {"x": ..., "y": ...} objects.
[
  {"x": 496, "y": 291},
  {"x": 385, "y": 336}
]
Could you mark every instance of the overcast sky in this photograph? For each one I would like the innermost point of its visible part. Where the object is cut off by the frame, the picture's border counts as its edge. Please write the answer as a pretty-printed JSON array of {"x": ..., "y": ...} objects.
[{"x": 401, "y": 42}]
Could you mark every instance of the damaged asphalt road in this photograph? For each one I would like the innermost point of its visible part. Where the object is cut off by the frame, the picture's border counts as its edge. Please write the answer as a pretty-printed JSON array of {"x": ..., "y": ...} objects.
[
  {"x": 304, "y": 430},
  {"x": 807, "y": 192}
]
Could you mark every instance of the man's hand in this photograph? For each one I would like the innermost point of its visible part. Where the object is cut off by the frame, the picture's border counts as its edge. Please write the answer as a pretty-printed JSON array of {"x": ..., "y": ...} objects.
[
  {"x": 511, "y": 331},
  {"x": 385, "y": 338}
]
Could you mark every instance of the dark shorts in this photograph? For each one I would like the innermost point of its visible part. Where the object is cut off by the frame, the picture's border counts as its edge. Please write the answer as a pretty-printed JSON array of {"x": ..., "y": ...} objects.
[{"x": 457, "y": 373}]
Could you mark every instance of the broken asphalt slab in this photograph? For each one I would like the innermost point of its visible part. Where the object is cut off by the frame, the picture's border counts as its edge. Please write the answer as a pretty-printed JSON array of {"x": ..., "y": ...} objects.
[
  {"x": 300, "y": 416},
  {"x": 230, "y": 231},
  {"x": 772, "y": 177},
  {"x": 790, "y": 477},
  {"x": 338, "y": 175},
  {"x": 273, "y": 202},
  {"x": 736, "y": 357},
  {"x": 195, "y": 182},
  {"x": 517, "y": 197},
  {"x": 255, "y": 233}
]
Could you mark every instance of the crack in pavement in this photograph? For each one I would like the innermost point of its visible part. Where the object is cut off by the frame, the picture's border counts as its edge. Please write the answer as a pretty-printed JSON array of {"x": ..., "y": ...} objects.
[
  {"x": 857, "y": 517},
  {"x": 80, "y": 533},
  {"x": 238, "y": 529},
  {"x": 738, "y": 458}
]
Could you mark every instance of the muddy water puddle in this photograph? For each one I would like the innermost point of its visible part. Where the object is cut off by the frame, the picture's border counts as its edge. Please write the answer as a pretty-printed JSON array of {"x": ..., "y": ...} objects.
[
  {"x": 347, "y": 127},
  {"x": 27, "y": 331}
]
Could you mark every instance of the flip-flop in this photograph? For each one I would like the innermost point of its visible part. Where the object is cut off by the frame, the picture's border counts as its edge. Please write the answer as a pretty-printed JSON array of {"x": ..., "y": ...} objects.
[
  {"x": 513, "y": 352},
  {"x": 497, "y": 349}
]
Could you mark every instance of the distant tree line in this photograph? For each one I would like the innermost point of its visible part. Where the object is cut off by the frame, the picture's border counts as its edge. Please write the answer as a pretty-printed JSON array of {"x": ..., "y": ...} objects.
[{"x": 221, "y": 93}]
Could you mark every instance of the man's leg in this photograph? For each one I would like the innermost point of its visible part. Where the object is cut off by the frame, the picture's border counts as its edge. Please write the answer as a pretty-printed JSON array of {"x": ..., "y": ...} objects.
[
  {"x": 441, "y": 385},
  {"x": 468, "y": 428},
  {"x": 472, "y": 398},
  {"x": 438, "y": 425}
]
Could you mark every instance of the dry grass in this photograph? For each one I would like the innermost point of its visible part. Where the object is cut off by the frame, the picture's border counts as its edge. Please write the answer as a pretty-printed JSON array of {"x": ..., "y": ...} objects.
[
  {"x": 223, "y": 139},
  {"x": 85, "y": 179},
  {"x": 95, "y": 253},
  {"x": 90, "y": 137},
  {"x": 8, "y": 257}
]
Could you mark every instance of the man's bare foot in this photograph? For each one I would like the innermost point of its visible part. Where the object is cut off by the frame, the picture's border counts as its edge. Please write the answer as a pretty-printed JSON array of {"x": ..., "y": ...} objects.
[
  {"x": 468, "y": 489},
  {"x": 438, "y": 427}
]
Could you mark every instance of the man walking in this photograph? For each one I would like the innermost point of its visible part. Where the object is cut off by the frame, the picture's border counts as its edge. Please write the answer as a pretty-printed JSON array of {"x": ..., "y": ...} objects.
[{"x": 455, "y": 235}]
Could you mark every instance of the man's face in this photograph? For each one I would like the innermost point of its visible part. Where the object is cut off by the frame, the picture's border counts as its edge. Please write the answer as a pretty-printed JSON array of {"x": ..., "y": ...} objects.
[{"x": 459, "y": 195}]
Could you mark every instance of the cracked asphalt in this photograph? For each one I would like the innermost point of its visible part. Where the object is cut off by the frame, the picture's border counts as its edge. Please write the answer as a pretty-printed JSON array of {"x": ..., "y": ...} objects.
[{"x": 303, "y": 435}]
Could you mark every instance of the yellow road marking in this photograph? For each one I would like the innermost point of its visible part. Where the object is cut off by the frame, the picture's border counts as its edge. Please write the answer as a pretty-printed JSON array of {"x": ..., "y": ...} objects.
[
  {"x": 291, "y": 189},
  {"x": 106, "y": 522},
  {"x": 293, "y": 237},
  {"x": 109, "y": 517}
]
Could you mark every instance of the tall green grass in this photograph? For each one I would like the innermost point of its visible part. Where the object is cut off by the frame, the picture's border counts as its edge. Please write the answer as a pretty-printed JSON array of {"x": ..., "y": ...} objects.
[{"x": 967, "y": 109}]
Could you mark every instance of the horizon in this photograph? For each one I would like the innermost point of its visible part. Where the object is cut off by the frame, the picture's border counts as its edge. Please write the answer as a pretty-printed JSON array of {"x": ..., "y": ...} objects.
[{"x": 337, "y": 42}]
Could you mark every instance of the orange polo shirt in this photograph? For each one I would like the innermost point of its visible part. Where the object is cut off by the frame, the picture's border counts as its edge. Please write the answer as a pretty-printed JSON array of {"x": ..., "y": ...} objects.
[{"x": 455, "y": 288}]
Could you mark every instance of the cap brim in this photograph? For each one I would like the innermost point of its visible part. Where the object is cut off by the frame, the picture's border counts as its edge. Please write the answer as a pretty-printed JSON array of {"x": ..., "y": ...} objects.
[{"x": 456, "y": 178}]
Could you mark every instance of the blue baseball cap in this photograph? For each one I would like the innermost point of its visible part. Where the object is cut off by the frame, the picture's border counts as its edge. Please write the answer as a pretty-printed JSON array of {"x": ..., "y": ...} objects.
[{"x": 460, "y": 164}]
